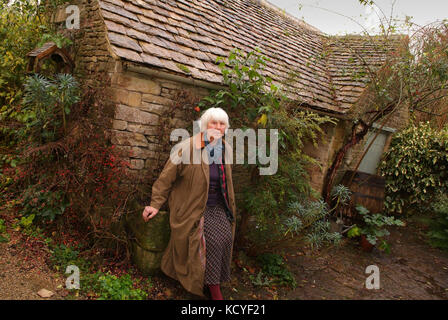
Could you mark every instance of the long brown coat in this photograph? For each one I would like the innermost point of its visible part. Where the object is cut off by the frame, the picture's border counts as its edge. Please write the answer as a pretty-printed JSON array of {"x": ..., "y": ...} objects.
[{"x": 185, "y": 186}]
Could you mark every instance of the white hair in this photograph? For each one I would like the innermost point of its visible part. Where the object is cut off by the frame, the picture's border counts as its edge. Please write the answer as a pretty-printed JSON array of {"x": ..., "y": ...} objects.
[{"x": 217, "y": 114}]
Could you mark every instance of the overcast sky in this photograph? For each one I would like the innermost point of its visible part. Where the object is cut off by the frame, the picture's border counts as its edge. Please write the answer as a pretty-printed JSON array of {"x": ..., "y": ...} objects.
[{"x": 317, "y": 13}]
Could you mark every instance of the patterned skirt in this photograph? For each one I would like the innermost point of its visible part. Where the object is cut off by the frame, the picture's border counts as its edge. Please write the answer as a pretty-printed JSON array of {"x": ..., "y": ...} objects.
[{"x": 218, "y": 244}]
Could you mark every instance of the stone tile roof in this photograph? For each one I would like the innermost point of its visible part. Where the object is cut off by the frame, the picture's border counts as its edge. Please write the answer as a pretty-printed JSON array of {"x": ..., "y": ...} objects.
[
  {"x": 186, "y": 37},
  {"x": 351, "y": 59}
]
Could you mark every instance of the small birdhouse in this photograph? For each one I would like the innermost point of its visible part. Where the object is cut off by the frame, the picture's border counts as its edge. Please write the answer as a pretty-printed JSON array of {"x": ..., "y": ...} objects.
[{"x": 61, "y": 58}]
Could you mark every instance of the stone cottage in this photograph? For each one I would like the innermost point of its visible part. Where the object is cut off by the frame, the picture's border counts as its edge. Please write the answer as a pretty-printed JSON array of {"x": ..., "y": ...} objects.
[{"x": 152, "y": 48}]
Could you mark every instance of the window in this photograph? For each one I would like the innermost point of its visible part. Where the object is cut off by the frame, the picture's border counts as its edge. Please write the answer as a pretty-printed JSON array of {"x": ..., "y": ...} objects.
[{"x": 369, "y": 163}]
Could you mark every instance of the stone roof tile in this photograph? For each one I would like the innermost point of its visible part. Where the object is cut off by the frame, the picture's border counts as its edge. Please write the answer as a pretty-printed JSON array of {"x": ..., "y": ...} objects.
[
  {"x": 150, "y": 59},
  {"x": 127, "y": 54},
  {"x": 118, "y": 10},
  {"x": 115, "y": 27},
  {"x": 155, "y": 50},
  {"x": 109, "y": 16},
  {"x": 132, "y": 33},
  {"x": 124, "y": 41}
]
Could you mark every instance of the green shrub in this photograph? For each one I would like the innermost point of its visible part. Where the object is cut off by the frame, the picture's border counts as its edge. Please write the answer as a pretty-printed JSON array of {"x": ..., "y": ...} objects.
[
  {"x": 20, "y": 31},
  {"x": 310, "y": 219},
  {"x": 46, "y": 102},
  {"x": 267, "y": 202},
  {"x": 111, "y": 287},
  {"x": 63, "y": 256},
  {"x": 415, "y": 168},
  {"x": 273, "y": 266},
  {"x": 43, "y": 204},
  {"x": 24, "y": 26},
  {"x": 438, "y": 234},
  {"x": 103, "y": 286},
  {"x": 374, "y": 227}
]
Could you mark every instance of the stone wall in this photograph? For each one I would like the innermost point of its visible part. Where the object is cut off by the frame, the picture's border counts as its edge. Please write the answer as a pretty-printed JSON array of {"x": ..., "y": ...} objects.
[
  {"x": 321, "y": 153},
  {"x": 90, "y": 49},
  {"x": 140, "y": 102}
]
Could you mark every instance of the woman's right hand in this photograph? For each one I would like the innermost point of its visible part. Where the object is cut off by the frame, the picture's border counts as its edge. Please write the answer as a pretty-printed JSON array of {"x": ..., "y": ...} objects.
[
  {"x": 149, "y": 213},
  {"x": 213, "y": 135}
]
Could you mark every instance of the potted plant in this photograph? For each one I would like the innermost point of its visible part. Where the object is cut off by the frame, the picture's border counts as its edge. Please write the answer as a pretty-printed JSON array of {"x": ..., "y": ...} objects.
[{"x": 374, "y": 229}]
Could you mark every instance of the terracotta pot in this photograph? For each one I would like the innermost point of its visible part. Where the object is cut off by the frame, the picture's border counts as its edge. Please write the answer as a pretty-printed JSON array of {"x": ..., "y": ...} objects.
[{"x": 365, "y": 244}]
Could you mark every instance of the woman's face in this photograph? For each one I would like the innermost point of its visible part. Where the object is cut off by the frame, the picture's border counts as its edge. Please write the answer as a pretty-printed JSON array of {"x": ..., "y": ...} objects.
[{"x": 218, "y": 125}]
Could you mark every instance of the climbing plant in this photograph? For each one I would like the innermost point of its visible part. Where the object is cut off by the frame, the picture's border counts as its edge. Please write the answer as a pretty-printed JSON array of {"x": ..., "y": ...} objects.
[{"x": 253, "y": 100}]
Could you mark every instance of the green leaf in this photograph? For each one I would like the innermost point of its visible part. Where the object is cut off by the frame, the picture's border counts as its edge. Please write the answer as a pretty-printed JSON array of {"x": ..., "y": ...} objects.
[{"x": 354, "y": 232}]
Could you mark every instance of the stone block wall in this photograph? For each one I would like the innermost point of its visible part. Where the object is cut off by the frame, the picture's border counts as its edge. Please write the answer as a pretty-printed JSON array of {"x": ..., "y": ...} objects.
[
  {"x": 90, "y": 49},
  {"x": 140, "y": 102},
  {"x": 321, "y": 153}
]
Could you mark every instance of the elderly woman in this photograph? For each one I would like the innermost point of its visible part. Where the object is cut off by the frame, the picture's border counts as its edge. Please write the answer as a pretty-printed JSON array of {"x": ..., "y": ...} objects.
[{"x": 202, "y": 209}]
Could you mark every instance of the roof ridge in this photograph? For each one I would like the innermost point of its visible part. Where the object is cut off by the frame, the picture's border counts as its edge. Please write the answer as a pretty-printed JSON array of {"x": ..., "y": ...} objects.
[{"x": 277, "y": 9}]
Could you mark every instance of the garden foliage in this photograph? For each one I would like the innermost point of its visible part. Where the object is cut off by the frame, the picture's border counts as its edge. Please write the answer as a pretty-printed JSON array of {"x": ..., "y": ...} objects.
[
  {"x": 253, "y": 100},
  {"x": 106, "y": 286},
  {"x": 98, "y": 285},
  {"x": 65, "y": 169},
  {"x": 374, "y": 227},
  {"x": 3, "y": 234},
  {"x": 274, "y": 268},
  {"x": 415, "y": 168},
  {"x": 23, "y": 27}
]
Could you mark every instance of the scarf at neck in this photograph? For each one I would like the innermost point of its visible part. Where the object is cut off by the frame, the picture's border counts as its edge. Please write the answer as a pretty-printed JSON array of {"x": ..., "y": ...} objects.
[
  {"x": 215, "y": 155},
  {"x": 214, "y": 151}
]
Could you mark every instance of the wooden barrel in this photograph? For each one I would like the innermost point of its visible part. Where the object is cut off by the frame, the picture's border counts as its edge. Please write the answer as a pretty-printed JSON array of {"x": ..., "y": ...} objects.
[{"x": 367, "y": 190}]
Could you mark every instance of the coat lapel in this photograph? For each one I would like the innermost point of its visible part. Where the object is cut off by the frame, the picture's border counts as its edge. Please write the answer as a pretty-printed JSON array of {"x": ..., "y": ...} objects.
[{"x": 198, "y": 142}]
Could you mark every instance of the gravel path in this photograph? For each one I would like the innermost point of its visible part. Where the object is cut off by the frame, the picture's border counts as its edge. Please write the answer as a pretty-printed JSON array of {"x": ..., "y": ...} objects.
[
  {"x": 412, "y": 271},
  {"x": 23, "y": 272}
]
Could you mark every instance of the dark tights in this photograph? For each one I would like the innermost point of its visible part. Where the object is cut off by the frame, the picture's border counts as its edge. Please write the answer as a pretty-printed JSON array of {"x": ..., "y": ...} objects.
[{"x": 215, "y": 291}]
